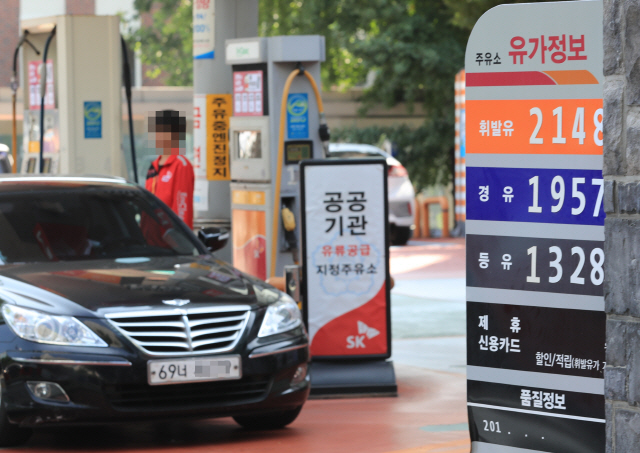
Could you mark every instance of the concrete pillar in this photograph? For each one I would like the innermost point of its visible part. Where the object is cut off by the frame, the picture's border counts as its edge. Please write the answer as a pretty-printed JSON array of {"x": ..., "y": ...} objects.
[
  {"x": 233, "y": 19},
  {"x": 622, "y": 226},
  {"x": 9, "y": 36}
]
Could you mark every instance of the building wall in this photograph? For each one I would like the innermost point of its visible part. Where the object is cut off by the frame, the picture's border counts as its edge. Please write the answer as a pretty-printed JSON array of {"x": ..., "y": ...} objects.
[
  {"x": 80, "y": 7},
  {"x": 31, "y": 9},
  {"x": 9, "y": 36},
  {"x": 622, "y": 225}
]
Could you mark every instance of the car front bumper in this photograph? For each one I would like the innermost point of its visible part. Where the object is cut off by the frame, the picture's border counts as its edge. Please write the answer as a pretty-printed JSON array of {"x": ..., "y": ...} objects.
[{"x": 115, "y": 389}]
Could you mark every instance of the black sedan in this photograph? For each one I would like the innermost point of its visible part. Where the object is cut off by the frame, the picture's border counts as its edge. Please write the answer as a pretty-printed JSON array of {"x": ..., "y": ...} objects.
[{"x": 113, "y": 310}]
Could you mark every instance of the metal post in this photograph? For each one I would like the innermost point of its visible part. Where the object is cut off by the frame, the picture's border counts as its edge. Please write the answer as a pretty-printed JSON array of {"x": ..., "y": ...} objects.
[{"x": 292, "y": 279}]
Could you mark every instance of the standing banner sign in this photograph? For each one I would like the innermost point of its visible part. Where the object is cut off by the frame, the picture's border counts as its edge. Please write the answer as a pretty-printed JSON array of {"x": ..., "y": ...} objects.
[
  {"x": 535, "y": 229},
  {"x": 345, "y": 255}
]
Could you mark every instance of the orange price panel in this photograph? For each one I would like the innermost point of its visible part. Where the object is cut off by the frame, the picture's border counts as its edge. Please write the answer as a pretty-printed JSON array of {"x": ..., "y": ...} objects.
[{"x": 549, "y": 126}]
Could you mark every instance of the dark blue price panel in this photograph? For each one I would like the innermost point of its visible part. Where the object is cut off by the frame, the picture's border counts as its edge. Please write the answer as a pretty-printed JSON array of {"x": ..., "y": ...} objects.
[
  {"x": 537, "y": 339},
  {"x": 534, "y": 264},
  {"x": 535, "y": 195},
  {"x": 541, "y": 400},
  {"x": 533, "y": 432}
]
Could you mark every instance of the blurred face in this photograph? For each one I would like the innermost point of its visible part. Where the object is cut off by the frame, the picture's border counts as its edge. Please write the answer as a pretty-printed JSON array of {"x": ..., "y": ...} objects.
[{"x": 165, "y": 140}]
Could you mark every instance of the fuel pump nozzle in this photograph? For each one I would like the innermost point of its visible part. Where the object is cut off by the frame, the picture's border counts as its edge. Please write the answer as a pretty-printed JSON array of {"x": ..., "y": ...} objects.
[
  {"x": 325, "y": 135},
  {"x": 289, "y": 224},
  {"x": 323, "y": 130}
]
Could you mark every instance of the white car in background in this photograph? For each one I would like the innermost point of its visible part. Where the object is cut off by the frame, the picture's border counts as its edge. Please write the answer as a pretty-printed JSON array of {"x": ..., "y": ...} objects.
[{"x": 401, "y": 196}]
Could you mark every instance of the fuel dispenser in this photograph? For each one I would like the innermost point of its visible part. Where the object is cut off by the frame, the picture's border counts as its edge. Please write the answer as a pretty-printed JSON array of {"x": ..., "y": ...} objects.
[
  {"x": 79, "y": 74},
  {"x": 277, "y": 121}
]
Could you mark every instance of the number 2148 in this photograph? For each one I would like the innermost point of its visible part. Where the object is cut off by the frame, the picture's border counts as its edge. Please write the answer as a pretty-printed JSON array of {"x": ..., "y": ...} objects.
[{"x": 577, "y": 132}]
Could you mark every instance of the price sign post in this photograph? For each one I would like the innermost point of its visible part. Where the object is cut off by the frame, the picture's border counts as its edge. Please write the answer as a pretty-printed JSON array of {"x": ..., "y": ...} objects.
[{"x": 535, "y": 229}]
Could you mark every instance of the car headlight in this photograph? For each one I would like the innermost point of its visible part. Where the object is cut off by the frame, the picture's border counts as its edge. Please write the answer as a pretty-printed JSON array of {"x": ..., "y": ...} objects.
[
  {"x": 281, "y": 316},
  {"x": 36, "y": 326}
]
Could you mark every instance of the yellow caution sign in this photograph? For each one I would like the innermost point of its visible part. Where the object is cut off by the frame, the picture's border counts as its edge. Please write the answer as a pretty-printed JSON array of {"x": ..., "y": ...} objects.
[{"x": 219, "y": 111}]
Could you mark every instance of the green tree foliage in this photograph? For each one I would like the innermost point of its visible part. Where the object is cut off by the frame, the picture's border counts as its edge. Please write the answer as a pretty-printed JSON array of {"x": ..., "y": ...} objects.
[
  {"x": 409, "y": 45},
  {"x": 465, "y": 13},
  {"x": 413, "y": 47},
  {"x": 419, "y": 149},
  {"x": 341, "y": 69},
  {"x": 165, "y": 45},
  {"x": 411, "y": 51}
]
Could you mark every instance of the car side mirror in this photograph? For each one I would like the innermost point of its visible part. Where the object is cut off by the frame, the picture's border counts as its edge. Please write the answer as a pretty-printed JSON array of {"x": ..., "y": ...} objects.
[{"x": 213, "y": 238}]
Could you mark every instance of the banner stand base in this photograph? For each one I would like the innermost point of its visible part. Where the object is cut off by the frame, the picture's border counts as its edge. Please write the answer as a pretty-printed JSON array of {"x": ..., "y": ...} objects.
[{"x": 352, "y": 379}]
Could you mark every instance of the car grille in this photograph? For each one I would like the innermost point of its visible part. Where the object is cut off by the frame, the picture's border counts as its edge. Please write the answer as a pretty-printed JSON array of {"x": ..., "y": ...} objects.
[
  {"x": 188, "y": 396},
  {"x": 181, "y": 331}
]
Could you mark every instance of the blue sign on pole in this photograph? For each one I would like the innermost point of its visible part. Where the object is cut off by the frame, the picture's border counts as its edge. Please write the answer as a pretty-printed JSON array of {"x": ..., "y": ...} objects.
[
  {"x": 93, "y": 119},
  {"x": 298, "y": 116}
]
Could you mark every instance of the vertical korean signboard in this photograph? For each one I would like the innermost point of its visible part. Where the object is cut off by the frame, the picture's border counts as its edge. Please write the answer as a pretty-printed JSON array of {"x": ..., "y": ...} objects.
[
  {"x": 345, "y": 256},
  {"x": 218, "y": 111},
  {"x": 535, "y": 229}
]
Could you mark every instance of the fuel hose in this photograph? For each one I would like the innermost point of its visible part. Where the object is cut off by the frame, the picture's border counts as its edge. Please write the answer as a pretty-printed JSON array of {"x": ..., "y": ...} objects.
[
  {"x": 14, "y": 90},
  {"x": 324, "y": 137},
  {"x": 43, "y": 90},
  {"x": 126, "y": 75}
]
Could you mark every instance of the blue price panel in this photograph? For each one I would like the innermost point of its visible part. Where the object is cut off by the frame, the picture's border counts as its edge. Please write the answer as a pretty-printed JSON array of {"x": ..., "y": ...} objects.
[{"x": 535, "y": 195}]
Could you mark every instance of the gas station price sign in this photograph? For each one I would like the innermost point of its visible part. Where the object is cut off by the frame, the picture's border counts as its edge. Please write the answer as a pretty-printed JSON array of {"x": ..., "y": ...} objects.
[
  {"x": 345, "y": 258},
  {"x": 535, "y": 229}
]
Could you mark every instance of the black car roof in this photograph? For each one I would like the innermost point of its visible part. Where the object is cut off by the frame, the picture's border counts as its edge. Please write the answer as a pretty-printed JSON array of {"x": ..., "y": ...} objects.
[{"x": 21, "y": 183}]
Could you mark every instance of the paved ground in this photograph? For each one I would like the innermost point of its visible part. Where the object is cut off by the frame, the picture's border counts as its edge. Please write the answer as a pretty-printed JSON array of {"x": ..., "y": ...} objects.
[
  {"x": 429, "y": 415},
  {"x": 428, "y": 318}
]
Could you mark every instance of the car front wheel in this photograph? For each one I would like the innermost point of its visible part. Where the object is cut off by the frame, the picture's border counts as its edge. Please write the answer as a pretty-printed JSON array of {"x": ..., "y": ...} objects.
[
  {"x": 400, "y": 235},
  {"x": 273, "y": 420}
]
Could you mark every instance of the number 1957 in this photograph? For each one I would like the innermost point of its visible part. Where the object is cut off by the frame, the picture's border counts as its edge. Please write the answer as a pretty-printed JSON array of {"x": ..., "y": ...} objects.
[{"x": 558, "y": 194}]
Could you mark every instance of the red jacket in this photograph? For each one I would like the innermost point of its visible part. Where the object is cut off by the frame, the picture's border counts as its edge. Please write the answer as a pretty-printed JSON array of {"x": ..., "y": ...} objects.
[{"x": 173, "y": 184}]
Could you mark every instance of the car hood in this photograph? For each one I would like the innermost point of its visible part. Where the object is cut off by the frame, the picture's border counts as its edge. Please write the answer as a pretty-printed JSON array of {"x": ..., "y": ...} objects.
[{"x": 90, "y": 288}]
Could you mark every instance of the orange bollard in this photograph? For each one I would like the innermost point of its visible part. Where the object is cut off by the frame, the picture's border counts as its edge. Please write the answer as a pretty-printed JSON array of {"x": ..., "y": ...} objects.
[{"x": 424, "y": 224}]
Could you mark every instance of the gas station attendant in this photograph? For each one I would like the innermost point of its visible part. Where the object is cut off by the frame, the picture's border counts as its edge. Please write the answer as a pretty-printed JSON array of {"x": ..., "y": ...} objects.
[{"x": 170, "y": 177}]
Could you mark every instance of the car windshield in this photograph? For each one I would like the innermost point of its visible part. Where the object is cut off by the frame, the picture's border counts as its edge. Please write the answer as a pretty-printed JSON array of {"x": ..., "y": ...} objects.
[{"x": 86, "y": 223}]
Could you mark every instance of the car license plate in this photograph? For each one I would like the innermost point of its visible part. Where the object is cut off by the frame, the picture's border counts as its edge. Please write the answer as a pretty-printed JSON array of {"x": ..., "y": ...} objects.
[{"x": 178, "y": 371}]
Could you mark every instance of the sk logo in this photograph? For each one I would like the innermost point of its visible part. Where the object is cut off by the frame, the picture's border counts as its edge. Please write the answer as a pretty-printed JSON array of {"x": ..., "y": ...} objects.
[{"x": 364, "y": 331}]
